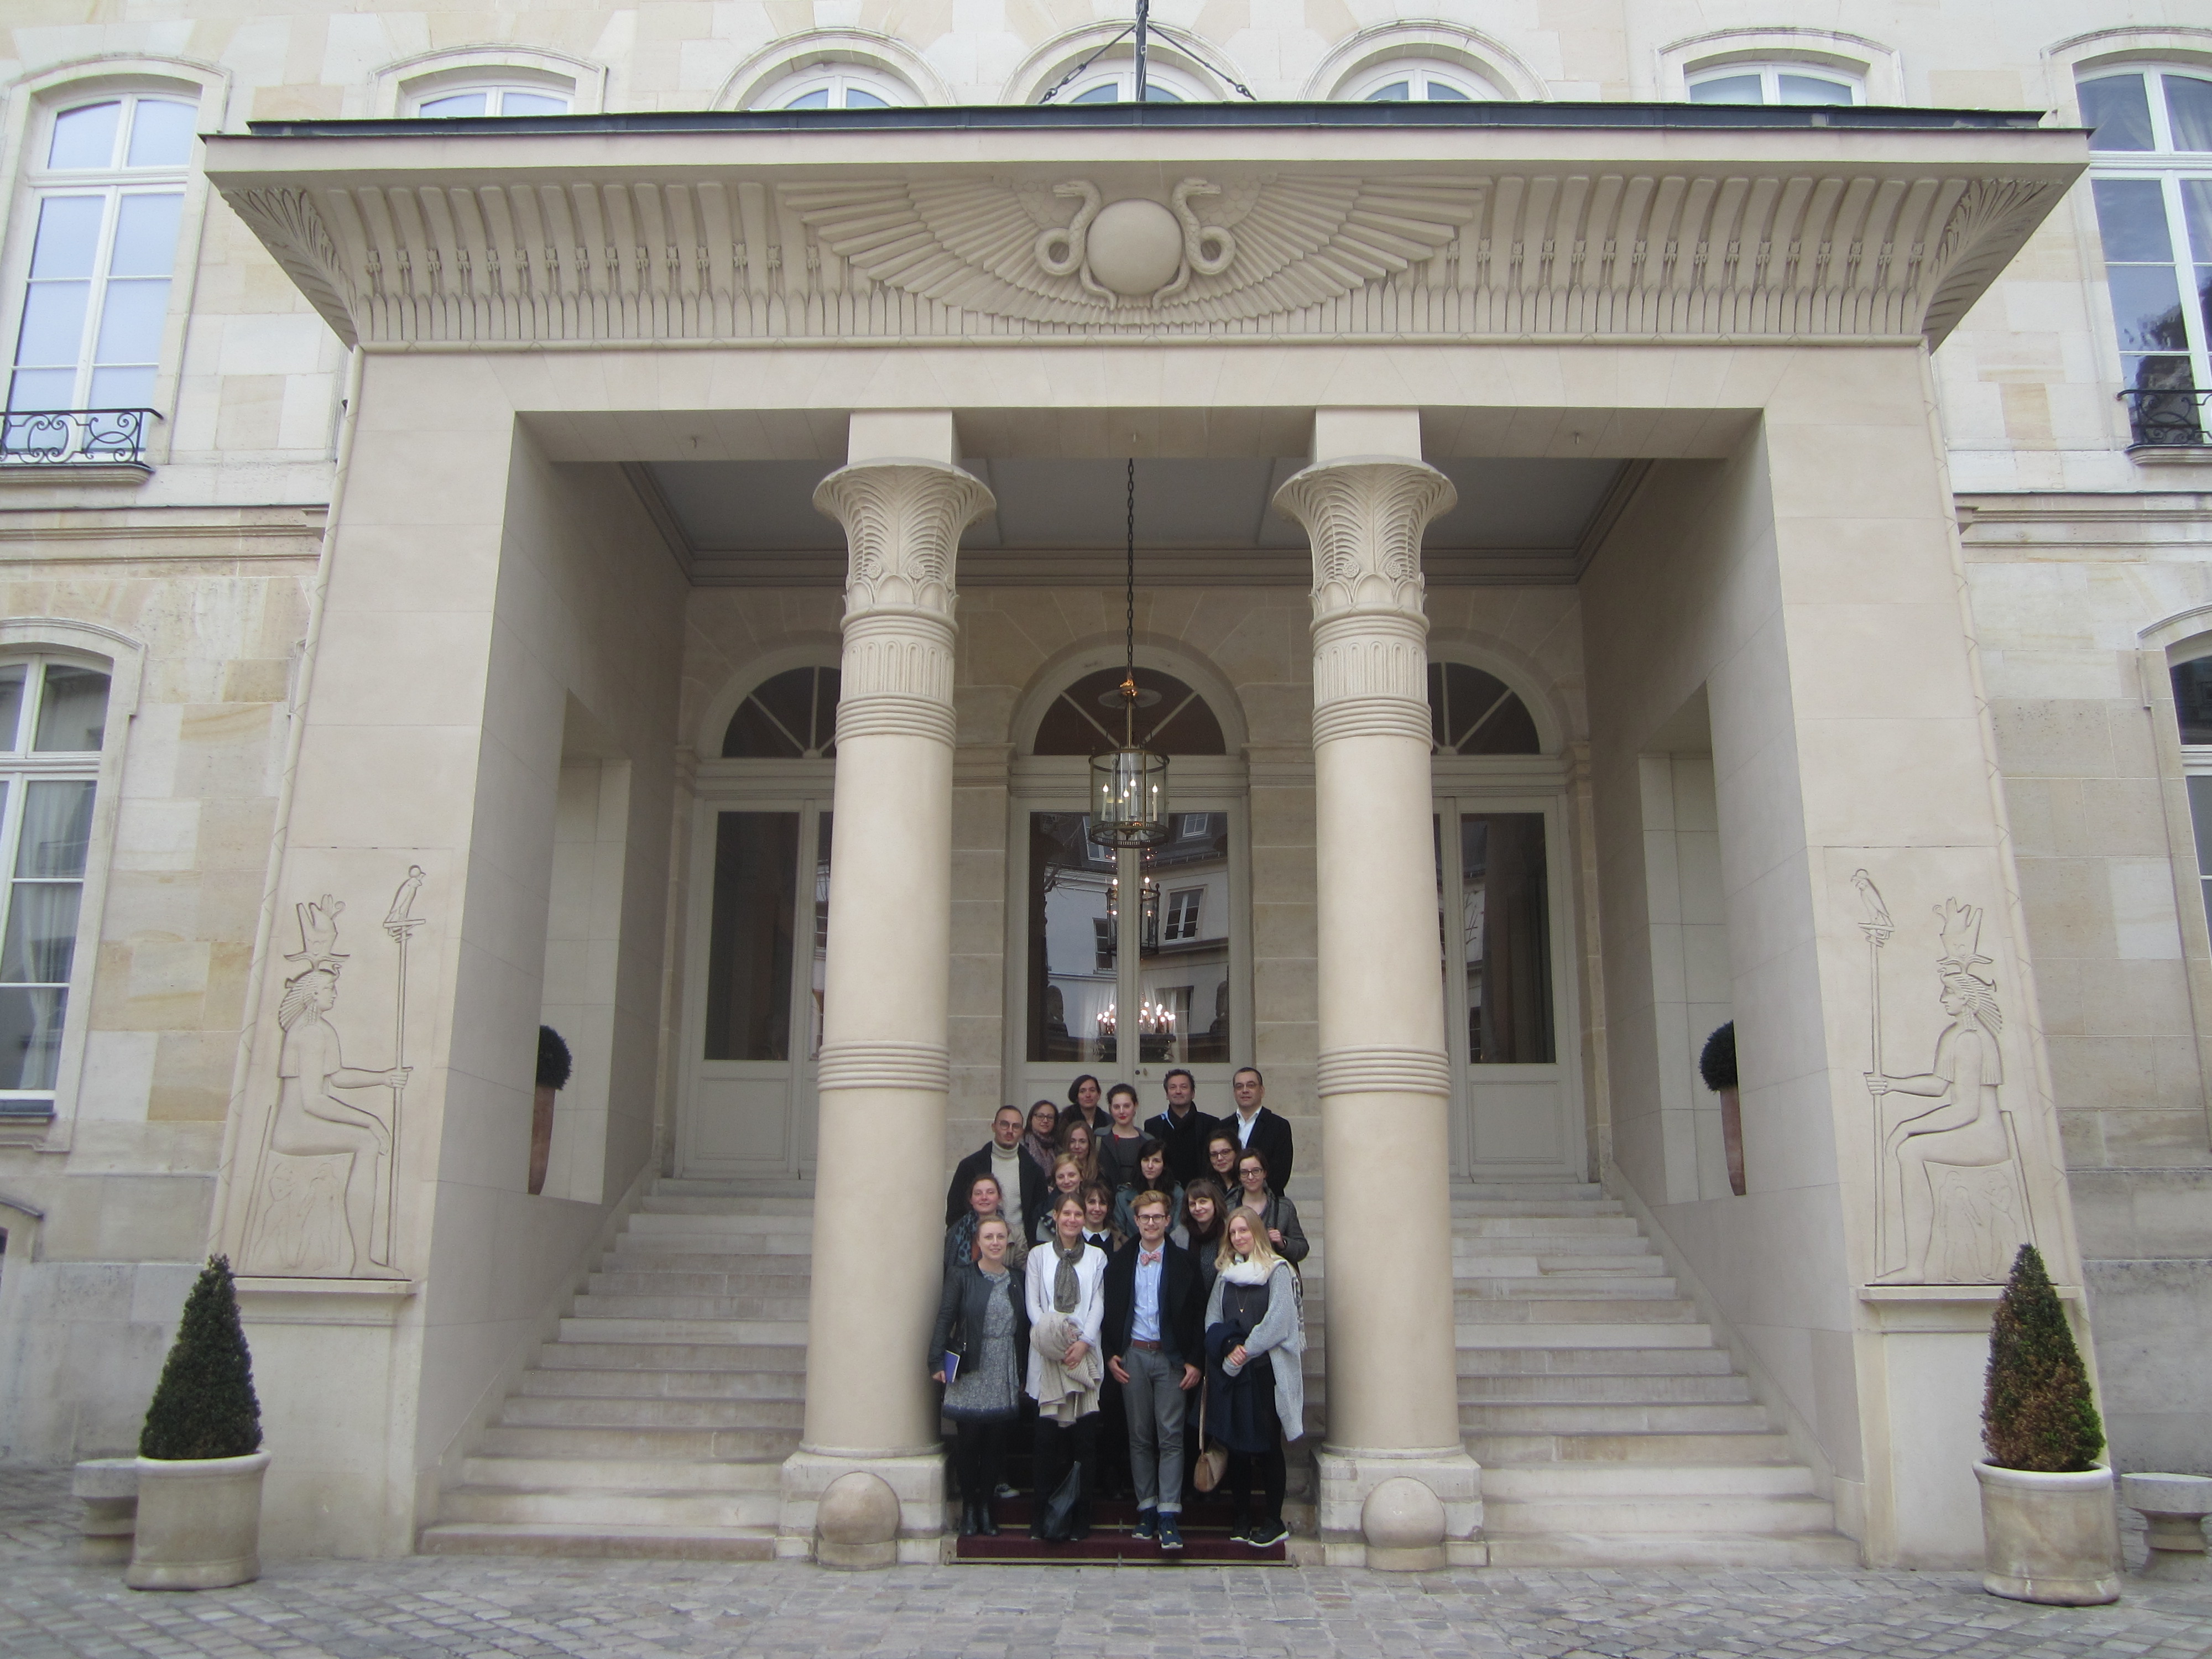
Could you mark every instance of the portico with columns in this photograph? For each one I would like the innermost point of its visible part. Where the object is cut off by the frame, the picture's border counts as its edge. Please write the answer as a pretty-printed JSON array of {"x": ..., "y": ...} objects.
[{"x": 580, "y": 533}]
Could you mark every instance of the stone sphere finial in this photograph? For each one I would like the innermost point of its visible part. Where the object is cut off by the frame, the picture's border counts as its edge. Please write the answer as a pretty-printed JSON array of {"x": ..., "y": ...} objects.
[
  {"x": 856, "y": 1524},
  {"x": 1404, "y": 1521}
]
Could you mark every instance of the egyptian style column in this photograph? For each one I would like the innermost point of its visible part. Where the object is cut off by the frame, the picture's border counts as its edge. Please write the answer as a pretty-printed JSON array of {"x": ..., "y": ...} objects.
[
  {"x": 869, "y": 1469},
  {"x": 1397, "y": 1488}
]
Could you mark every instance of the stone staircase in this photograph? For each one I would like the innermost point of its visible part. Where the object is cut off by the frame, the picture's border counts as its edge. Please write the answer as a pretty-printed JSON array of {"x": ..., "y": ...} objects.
[
  {"x": 1610, "y": 1428},
  {"x": 658, "y": 1421}
]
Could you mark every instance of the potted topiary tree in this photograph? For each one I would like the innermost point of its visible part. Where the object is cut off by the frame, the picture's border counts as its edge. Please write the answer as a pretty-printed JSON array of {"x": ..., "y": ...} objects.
[
  {"x": 200, "y": 1461},
  {"x": 2050, "y": 1532},
  {"x": 554, "y": 1066},
  {"x": 1716, "y": 1065}
]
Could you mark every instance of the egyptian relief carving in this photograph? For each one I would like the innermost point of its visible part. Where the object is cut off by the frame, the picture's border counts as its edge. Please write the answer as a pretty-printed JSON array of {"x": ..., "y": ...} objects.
[
  {"x": 325, "y": 1196},
  {"x": 1953, "y": 1203}
]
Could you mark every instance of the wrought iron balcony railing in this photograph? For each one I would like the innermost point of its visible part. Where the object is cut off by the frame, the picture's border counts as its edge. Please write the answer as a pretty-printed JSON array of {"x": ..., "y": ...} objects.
[
  {"x": 2166, "y": 417},
  {"x": 74, "y": 437}
]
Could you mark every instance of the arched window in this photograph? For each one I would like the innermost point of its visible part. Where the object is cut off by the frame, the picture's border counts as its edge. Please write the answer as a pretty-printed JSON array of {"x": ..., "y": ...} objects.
[
  {"x": 1172, "y": 719},
  {"x": 789, "y": 716},
  {"x": 1418, "y": 81},
  {"x": 108, "y": 180},
  {"x": 53, "y": 723},
  {"x": 1113, "y": 80},
  {"x": 1775, "y": 84},
  {"x": 2192, "y": 707},
  {"x": 490, "y": 98},
  {"x": 1472, "y": 713},
  {"x": 836, "y": 85},
  {"x": 2151, "y": 178}
]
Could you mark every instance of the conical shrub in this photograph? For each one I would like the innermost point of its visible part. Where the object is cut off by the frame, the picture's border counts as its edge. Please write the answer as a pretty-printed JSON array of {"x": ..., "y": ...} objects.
[
  {"x": 2036, "y": 1411},
  {"x": 205, "y": 1406}
]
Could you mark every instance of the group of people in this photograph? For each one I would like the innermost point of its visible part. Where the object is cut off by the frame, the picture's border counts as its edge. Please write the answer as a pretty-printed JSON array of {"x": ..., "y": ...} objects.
[{"x": 1134, "y": 1283}]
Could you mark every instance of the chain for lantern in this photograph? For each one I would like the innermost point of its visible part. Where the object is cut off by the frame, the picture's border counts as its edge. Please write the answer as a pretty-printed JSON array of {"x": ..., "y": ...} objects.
[{"x": 1129, "y": 784}]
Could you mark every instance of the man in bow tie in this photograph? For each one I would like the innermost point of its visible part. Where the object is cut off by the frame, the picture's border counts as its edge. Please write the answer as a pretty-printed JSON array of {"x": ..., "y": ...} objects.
[{"x": 1151, "y": 1340}]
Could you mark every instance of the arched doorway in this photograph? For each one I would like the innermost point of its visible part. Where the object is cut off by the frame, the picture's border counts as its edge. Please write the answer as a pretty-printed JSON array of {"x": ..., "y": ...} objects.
[
  {"x": 760, "y": 878},
  {"x": 1503, "y": 897},
  {"x": 1129, "y": 990}
]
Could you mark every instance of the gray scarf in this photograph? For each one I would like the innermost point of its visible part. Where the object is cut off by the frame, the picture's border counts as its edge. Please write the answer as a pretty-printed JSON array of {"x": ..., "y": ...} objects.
[{"x": 1067, "y": 1290}]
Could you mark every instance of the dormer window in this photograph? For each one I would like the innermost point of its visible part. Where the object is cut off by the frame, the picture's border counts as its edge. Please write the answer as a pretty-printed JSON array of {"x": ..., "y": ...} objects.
[
  {"x": 463, "y": 103},
  {"x": 1415, "y": 81},
  {"x": 1776, "y": 83}
]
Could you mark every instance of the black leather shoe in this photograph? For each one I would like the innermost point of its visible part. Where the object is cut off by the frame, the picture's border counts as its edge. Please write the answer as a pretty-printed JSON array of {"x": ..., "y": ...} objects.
[
  {"x": 984, "y": 1523},
  {"x": 969, "y": 1528}
]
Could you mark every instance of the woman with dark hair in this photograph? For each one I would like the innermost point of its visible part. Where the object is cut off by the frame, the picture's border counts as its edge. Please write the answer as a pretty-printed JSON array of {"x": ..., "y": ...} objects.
[
  {"x": 1083, "y": 1102},
  {"x": 983, "y": 1205},
  {"x": 983, "y": 1300},
  {"x": 1205, "y": 1210},
  {"x": 1041, "y": 1137},
  {"x": 1119, "y": 1145},
  {"x": 1152, "y": 1177},
  {"x": 1255, "y": 1391},
  {"x": 1221, "y": 1150},
  {"x": 1276, "y": 1211}
]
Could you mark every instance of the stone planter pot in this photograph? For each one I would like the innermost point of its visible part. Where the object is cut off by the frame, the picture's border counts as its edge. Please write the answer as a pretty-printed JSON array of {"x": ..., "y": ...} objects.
[
  {"x": 2050, "y": 1538},
  {"x": 199, "y": 1522},
  {"x": 541, "y": 1136}
]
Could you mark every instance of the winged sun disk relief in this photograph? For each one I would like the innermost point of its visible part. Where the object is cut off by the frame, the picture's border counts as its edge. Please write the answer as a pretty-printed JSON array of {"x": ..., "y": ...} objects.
[{"x": 1272, "y": 245}]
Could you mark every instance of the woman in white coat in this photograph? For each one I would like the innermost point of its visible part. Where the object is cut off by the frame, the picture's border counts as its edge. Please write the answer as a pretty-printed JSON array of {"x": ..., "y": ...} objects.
[{"x": 1066, "y": 1285}]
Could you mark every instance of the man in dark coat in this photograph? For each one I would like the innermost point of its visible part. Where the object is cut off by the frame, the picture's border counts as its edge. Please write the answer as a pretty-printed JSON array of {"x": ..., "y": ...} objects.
[
  {"x": 1152, "y": 1337},
  {"x": 1022, "y": 1185},
  {"x": 1257, "y": 1129},
  {"x": 1183, "y": 1128}
]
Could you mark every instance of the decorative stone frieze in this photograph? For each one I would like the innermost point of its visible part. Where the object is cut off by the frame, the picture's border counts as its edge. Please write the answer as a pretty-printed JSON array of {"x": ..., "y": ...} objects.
[{"x": 1793, "y": 244}]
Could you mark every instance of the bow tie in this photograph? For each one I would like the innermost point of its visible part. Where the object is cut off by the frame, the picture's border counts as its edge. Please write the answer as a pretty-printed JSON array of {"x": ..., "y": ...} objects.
[{"x": 1146, "y": 1258}]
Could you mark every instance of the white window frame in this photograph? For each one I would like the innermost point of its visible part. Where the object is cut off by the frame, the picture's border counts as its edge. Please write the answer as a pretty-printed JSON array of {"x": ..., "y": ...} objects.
[
  {"x": 838, "y": 78},
  {"x": 1356, "y": 64},
  {"x": 495, "y": 95},
  {"x": 1180, "y": 920},
  {"x": 1118, "y": 69},
  {"x": 1770, "y": 84},
  {"x": 400, "y": 88},
  {"x": 1878, "y": 69},
  {"x": 28, "y": 129},
  {"x": 1474, "y": 89},
  {"x": 122, "y": 659},
  {"x": 2167, "y": 166}
]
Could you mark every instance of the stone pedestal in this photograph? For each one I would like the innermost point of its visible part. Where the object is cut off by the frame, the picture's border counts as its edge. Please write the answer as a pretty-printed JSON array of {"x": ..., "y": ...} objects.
[
  {"x": 884, "y": 1066},
  {"x": 2173, "y": 1508},
  {"x": 1384, "y": 1083},
  {"x": 108, "y": 1489}
]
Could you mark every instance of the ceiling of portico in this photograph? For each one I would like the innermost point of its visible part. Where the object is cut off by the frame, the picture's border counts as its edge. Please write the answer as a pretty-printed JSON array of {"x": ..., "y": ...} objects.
[{"x": 1199, "y": 519}]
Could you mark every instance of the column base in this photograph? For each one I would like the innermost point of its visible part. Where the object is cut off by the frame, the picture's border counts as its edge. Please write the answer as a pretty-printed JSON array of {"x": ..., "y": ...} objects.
[
  {"x": 1403, "y": 1511},
  {"x": 892, "y": 1515}
]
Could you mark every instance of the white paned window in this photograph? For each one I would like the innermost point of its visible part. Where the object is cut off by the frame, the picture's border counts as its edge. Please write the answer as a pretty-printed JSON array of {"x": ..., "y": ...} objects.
[
  {"x": 53, "y": 719},
  {"x": 1776, "y": 83},
  {"x": 1112, "y": 82},
  {"x": 1417, "y": 82},
  {"x": 2151, "y": 177},
  {"x": 2192, "y": 707},
  {"x": 835, "y": 86},
  {"x": 466, "y": 103},
  {"x": 1182, "y": 915},
  {"x": 109, "y": 189}
]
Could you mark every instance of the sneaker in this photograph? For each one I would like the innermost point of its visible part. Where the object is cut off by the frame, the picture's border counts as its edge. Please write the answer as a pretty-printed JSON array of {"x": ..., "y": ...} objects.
[
  {"x": 1238, "y": 1529},
  {"x": 1148, "y": 1526},
  {"x": 1266, "y": 1534},
  {"x": 1171, "y": 1532},
  {"x": 1004, "y": 1491}
]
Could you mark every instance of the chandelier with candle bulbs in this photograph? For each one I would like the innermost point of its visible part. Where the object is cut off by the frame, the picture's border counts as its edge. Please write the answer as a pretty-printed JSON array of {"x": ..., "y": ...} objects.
[{"x": 1129, "y": 783}]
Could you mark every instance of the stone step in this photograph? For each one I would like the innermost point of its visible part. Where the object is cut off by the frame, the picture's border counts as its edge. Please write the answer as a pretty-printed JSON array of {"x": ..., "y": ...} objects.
[
  {"x": 661, "y": 1383},
  {"x": 625, "y": 1280},
  {"x": 1467, "y": 1229},
  {"x": 737, "y": 1333},
  {"x": 1555, "y": 1309},
  {"x": 1613, "y": 1513},
  {"x": 592, "y": 1305},
  {"x": 583, "y": 1443},
  {"x": 770, "y": 1189},
  {"x": 588, "y": 1352},
  {"x": 665, "y": 1200},
  {"x": 599, "y": 1539},
  {"x": 1707, "y": 1361},
  {"x": 660, "y": 1412},
  {"x": 1482, "y": 1209},
  {"x": 1528, "y": 1482},
  {"x": 1570, "y": 1268},
  {"x": 1767, "y": 1447},
  {"x": 1610, "y": 1417},
  {"x": 718, "y": 1224},
  {"x": 595, "y": 1507},
  {"x": 1627, "y": 1286},
  {"x": 1569, "y": 1334},
  {"x": 790, "y": 1252},
  {"x": 1551, "y": 1389},
  {"x": 1643, "y": 1549}
]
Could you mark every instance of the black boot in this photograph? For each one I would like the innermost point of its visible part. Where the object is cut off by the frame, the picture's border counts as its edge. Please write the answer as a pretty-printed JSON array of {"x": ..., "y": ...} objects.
[
  {"x": 969, "y": 1524},
  {"x": 984, "y": 1522}
]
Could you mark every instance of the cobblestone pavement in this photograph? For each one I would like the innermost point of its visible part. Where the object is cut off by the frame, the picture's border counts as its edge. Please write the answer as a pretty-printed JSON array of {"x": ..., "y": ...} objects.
[{"x": 525, "y": 1608}]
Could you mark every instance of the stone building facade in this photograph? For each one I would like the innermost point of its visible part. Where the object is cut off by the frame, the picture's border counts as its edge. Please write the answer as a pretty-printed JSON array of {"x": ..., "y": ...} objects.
[{"x": 495, "y": 506}]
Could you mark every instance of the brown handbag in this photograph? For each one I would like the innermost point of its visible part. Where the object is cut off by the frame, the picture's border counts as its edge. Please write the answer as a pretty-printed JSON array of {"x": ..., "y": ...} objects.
[{"x": 1212, "y": 1460}]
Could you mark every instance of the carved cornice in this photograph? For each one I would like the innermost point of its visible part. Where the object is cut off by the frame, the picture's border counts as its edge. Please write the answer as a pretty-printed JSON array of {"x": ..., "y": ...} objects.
[{"x": 1799, "y": 246}]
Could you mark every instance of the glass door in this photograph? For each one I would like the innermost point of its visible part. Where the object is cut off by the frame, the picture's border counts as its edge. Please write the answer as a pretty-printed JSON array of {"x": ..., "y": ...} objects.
[
  {"x": 1517, "y": 1114},
  {"x": 758, "y": 967}
]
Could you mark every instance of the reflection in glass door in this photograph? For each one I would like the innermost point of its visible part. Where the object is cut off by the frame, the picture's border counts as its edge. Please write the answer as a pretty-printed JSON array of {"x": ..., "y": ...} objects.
[
  {"x": 752, "y": 1109},
  {"x": 1517, "y": 1114}
]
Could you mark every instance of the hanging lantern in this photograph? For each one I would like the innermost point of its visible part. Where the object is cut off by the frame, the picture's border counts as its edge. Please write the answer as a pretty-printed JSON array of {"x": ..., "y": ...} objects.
[{"x": 1129, "y": 784}]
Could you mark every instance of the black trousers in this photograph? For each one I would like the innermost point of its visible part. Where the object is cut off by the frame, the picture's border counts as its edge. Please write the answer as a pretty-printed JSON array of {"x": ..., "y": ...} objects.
[
  {"x": 1274, "y": 1477},
  {"x": 1053, "y": 1449},
  {"x": 979, "y": 1456}
]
